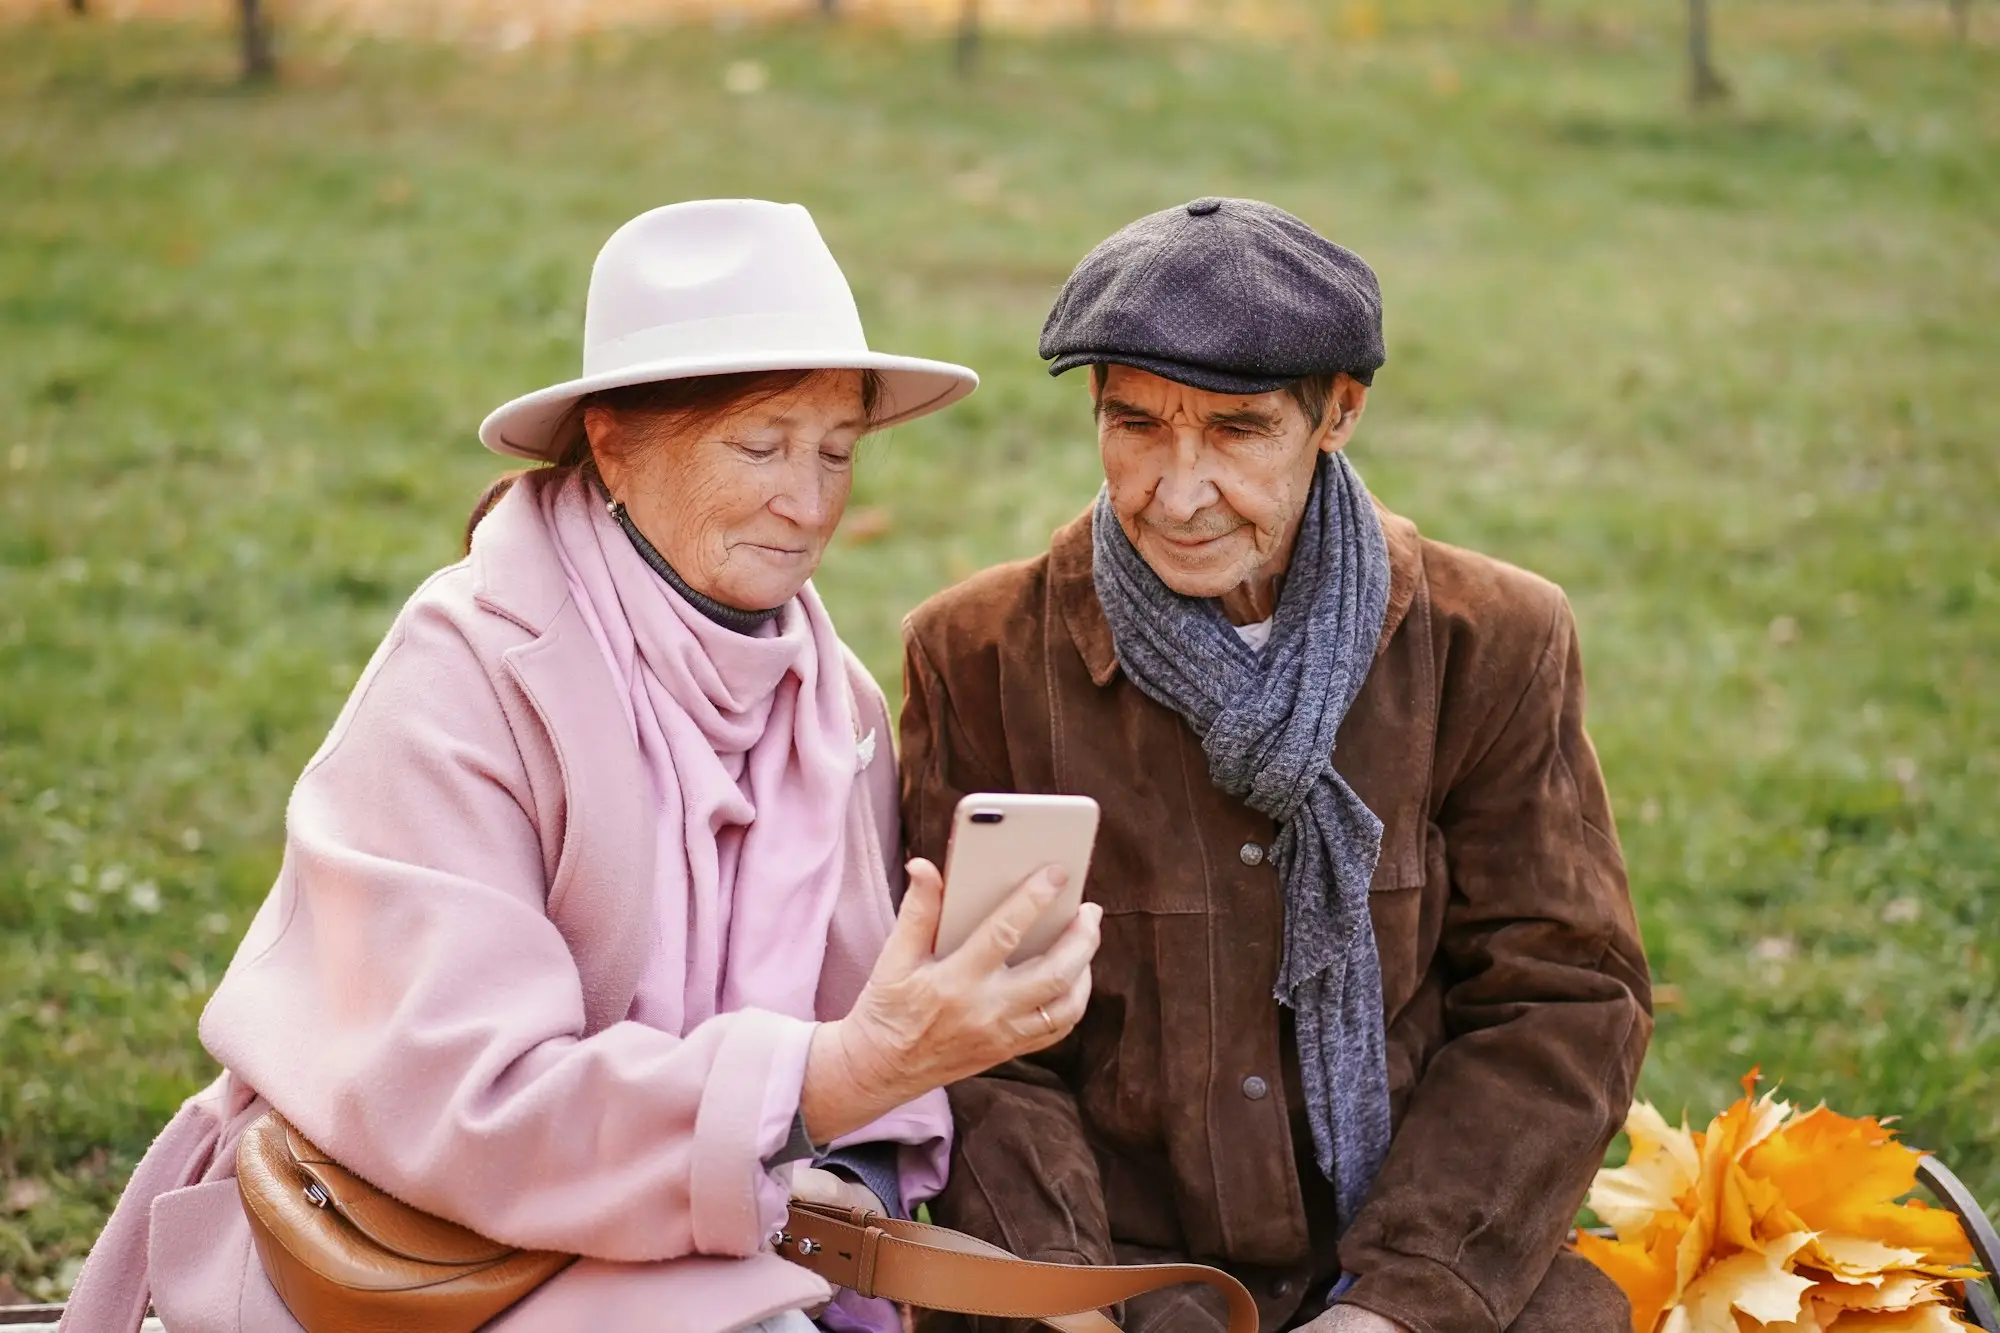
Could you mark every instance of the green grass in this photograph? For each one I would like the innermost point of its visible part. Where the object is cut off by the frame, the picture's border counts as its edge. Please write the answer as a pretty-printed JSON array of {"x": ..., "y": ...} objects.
[{"x": 1730, "y": 379}]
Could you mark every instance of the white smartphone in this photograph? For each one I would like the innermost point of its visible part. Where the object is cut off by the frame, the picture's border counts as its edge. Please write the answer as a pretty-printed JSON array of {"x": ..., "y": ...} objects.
[{"x": 999, "y": 839}]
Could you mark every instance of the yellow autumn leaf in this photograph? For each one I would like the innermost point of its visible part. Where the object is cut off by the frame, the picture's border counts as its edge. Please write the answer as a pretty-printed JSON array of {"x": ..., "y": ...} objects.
[
  {"x": 1645, "y": 1276},
  {"x": 1751, "y": 1213},
  {"x": 1755, "y": 1282},
  {"x": 1915, "y": 1226},
  {"x": 1896, "y": 1291},
  {"x": 1853, "y": 1259},
  {"x": 1920, "y": 1319},
  {"x": 1650, "y": 1133},
  {"x": 1661, "y": 1167},
  {"x": 1826, "y": 1164},
  {"x": 1727, "y": 1138}
]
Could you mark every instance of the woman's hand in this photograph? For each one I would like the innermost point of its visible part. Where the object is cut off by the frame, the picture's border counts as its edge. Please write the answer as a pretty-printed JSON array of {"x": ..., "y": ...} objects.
[{"x": 923, "y": 1022}]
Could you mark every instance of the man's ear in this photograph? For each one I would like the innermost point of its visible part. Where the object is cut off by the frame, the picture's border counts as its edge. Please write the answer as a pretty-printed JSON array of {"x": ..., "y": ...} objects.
[{"x": 1344, "y": 407}]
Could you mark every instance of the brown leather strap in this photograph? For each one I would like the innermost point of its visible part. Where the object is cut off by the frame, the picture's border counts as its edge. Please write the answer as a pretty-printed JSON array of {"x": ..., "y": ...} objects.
[{"x": 940, "y": 1269}]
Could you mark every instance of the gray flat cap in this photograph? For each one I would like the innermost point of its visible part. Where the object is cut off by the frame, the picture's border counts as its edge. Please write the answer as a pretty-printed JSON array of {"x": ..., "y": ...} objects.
[{"x": 1229, "y": 295}]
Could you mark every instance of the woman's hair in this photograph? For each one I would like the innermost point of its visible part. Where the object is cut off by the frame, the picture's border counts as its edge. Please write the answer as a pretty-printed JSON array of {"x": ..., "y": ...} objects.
[{"x": 675, "y": 405}]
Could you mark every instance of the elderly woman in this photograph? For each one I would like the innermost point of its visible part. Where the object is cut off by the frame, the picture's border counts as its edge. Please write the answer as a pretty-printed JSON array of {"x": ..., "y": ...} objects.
[{"x": 584, "y": 937}]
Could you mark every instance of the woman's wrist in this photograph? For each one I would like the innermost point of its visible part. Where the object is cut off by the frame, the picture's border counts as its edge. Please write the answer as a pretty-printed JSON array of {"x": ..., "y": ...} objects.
[{"x": 843, "y": 1088}]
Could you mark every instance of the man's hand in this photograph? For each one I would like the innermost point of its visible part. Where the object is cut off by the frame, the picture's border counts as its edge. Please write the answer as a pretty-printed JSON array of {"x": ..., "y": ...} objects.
[
  {"x": 1353, "y": 1319},
  {"x": 813, "y": 1185},
  {"x": 810, "y": 1184}
]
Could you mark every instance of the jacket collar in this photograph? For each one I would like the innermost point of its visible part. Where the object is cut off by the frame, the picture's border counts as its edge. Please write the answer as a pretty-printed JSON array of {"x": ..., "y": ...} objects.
[
  {"x": 601, "y": 851},
  {"x": 1075, "y": 592},
  {"x": 516, "y": 572}
]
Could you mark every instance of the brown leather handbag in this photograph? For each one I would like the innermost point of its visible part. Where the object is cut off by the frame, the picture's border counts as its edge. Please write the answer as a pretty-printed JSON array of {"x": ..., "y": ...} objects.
[{"x": 347, "y": 1258}]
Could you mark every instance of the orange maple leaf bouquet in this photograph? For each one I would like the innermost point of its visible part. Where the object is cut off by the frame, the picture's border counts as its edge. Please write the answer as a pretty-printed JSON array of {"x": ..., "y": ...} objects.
[{"x": 1774, "y": 1221}]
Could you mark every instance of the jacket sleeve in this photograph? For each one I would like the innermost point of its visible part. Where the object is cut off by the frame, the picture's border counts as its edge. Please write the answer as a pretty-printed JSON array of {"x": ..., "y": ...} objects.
[
  {"x": 1548, "y": 1014},
  {"x": 1022, "y": 1174},
  {"x": 404, "y": 997}
]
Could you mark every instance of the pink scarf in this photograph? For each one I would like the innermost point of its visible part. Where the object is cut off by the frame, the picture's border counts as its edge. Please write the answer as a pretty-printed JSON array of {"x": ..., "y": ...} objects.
[{"x": 749, "y": 742}]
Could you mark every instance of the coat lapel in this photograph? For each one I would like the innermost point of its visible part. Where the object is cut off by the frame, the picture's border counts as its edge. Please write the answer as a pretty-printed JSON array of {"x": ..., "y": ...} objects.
[{"x": 601, "y": 894}]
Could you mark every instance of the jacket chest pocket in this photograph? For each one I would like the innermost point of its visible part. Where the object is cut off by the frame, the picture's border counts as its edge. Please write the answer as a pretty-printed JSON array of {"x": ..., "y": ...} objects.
[
  {"x": 1144, "y": 870},
  {"x": 1409, "y": 919}
]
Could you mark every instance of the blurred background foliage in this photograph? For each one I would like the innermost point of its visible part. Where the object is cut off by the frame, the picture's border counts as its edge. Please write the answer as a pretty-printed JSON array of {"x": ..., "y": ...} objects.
[{"x": 1727, "y": 375}]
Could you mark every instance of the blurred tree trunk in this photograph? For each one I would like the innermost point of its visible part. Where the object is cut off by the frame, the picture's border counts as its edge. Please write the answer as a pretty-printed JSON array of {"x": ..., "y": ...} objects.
[
  {"x": 1521, "y": 13},
  {"x": 259, "y": 63},
  {"x": 1961, "y": 19},
  {"x": 966, "y": 48},
  {"x": 78, "y": 6},
  {"x": 829, "y": 8},
  {"x": 1104, "y": 13},
  {"x": 1704, "y": 84}
]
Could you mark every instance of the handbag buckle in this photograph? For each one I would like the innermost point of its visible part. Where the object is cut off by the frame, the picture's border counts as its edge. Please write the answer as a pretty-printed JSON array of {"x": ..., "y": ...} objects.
[{"x": 316, "y": 1194}]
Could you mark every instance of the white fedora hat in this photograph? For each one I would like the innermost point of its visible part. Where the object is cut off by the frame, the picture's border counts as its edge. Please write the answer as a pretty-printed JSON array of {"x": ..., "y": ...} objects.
[{"x": 713, "y": 287}]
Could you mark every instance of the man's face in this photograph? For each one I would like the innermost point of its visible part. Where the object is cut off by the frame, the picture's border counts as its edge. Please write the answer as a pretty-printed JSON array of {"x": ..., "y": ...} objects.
[{"x": 1209, "y": 487}]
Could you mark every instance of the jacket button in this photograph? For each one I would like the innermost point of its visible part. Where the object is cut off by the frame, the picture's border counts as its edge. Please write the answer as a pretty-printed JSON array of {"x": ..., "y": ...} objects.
[
  {"x": 1250, "y": 854},
  {"x": 1255, "y": 1088}
]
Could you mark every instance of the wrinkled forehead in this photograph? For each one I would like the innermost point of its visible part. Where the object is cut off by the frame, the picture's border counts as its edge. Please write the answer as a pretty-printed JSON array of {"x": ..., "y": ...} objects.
[
  {"x": 1165, "y": 398},
  {"x": 829, "y": 399}
]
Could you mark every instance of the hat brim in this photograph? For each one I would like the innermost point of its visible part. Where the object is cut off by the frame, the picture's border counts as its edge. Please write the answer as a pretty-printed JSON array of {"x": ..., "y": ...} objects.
[
  {"x": 911, "y": 387},
  {"x": 1181, "y": 372}
]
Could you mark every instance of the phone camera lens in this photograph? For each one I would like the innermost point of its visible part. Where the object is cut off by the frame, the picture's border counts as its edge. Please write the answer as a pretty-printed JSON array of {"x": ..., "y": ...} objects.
[{"x": 987, "y": 816}]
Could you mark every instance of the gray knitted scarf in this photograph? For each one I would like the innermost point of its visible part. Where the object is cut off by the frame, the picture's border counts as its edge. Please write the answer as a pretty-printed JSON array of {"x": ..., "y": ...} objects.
[{"x": 1267, "y": 721}]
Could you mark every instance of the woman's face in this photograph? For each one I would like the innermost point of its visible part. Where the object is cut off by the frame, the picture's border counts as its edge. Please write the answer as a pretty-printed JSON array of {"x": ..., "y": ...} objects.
[{"x": 741, "y": 507}]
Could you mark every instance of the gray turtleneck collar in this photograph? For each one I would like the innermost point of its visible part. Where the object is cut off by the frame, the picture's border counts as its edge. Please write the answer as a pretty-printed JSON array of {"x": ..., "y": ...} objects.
[{"x": 729, "y": 617}]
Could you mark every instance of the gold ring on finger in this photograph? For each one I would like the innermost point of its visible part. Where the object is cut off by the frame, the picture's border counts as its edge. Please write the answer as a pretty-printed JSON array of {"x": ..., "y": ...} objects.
[{"x": 1046, "y": 1019}]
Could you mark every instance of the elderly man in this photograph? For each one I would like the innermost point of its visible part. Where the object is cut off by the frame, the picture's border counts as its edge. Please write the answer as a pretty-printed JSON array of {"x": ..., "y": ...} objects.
[{"x": 1371, "y": 998}]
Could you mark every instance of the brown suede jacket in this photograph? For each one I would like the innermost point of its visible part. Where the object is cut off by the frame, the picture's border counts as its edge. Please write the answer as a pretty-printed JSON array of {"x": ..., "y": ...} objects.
[{"x": 1168, "y": 1124}]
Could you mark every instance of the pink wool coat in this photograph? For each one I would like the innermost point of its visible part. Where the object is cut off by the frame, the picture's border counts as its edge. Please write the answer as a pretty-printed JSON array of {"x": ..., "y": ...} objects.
[{"x": 437, "y": 990}]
